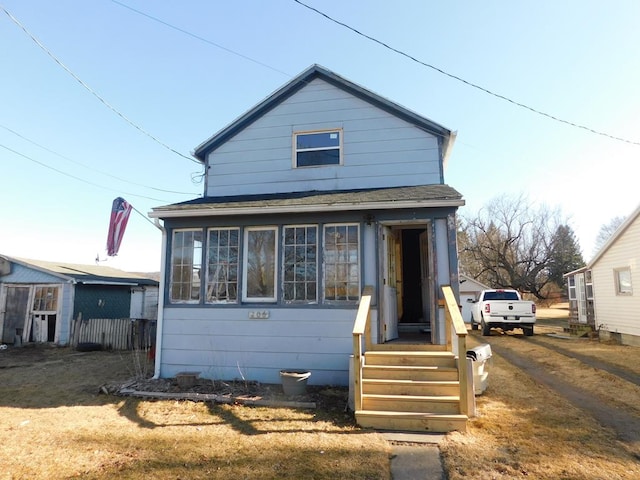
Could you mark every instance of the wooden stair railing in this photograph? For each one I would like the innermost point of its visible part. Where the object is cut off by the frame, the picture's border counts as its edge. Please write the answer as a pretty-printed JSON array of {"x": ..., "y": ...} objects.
[
  {"x": 454, "y": 325},
  {"x": 361, "y": 328}
]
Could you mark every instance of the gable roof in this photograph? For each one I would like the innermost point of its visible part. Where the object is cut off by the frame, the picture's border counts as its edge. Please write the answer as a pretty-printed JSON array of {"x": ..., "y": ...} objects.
[
  {"x": 317, "y": 71},
  {"x": 306, "y": 202},
  {"x": 86, "y": 274},
  {"x": 614, "y": 237},
  {"x": 470, "y": 284}
]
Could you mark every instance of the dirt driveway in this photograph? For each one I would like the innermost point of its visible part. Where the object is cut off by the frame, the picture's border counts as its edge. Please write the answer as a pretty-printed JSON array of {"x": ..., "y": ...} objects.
[{"x": 601, "y": 380}]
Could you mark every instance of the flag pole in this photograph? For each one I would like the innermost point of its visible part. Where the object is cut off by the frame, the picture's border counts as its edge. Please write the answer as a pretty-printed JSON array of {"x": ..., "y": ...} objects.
[{"x": 144, "y": 216}]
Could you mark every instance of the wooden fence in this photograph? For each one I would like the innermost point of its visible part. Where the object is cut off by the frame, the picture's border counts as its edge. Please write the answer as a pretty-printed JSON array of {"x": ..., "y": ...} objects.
[{"x": 115, "y": 333}]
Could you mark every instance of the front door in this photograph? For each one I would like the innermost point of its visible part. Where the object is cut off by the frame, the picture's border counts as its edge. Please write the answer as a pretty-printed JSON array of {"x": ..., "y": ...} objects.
[
  {"x": 426, "y": 286},
  {"x": 406, "y": 292},
  {"x": 389, "y": 285}
]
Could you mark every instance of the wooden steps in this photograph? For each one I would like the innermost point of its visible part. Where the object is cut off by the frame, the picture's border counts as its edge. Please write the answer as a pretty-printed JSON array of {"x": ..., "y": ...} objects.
[
  {"x": 412, "y": 422},
  {"x": 411, "y": 390}
]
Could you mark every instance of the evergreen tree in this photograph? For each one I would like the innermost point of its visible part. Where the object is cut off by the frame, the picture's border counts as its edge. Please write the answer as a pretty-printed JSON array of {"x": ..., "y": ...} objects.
[{"x": 565, "y": 255}]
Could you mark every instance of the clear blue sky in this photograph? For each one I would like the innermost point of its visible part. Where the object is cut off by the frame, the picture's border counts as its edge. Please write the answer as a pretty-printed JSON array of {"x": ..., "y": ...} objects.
[{"x": 576, "y": 60}]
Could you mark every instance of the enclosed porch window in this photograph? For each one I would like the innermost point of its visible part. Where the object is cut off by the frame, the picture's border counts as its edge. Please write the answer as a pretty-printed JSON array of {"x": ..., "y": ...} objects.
[
  {"x": 341, "y": 262},
  {"x": 223, "y": 247},
  {"x": 300, "y": 261},
  {"x": 260, "y": 246},
  {"x": 186, "y": 266}
]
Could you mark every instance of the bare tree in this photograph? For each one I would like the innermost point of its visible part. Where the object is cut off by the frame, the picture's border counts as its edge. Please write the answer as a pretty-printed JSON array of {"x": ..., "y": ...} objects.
[
  {"x": 606, "y": 231},
  {"x": 512, "y": 244}
]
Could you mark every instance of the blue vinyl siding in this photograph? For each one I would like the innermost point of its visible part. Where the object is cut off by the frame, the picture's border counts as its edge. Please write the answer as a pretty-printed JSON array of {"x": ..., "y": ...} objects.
[
  {"x": 223, "y": 343},
  {"x": 379, "y": 149}
]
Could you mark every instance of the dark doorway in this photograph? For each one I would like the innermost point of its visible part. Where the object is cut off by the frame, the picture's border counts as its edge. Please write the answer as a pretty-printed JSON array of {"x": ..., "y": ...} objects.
[{"x": 412, "y": 294}]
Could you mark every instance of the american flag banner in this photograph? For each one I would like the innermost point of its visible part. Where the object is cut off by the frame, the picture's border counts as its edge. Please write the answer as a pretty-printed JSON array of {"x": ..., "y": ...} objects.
[{"x": 120, "y": 212}]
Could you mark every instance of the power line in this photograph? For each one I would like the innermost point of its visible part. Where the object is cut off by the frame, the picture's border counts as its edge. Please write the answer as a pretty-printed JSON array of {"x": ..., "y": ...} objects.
[
  {"x": 74, "y": 177},
  {"x": 90, "y": 90},
  {"x": 202, "y": 39},
  {"x": 197, "y": 37},
  {"x": 91, "y": 168},
  {"x": 466, "y": 82}
]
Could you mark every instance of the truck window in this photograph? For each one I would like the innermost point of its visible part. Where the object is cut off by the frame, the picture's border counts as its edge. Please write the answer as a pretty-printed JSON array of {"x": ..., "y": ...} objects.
[{"x": 501, "y": 296}]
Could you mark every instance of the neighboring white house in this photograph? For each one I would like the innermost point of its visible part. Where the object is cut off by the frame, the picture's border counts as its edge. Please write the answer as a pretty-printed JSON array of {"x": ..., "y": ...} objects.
[
  {"x": 615, "y": 273},
  {"x": 321, "y": 189}
]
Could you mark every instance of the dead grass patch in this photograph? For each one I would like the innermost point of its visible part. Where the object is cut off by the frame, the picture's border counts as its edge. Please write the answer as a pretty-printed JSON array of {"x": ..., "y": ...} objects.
[
  {"x": 524, "y": 430},
  {"x": 61, "y": 428}
]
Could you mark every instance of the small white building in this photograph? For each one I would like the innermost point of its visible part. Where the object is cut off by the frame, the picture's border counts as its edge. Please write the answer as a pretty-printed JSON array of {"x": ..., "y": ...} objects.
[
  {"x": 615, "y": 277},
  {"x": 469, "y": 290}
]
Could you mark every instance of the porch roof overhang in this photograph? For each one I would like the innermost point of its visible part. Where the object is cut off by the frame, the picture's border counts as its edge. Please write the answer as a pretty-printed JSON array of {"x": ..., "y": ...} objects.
[{"x": 422, "y": 196}]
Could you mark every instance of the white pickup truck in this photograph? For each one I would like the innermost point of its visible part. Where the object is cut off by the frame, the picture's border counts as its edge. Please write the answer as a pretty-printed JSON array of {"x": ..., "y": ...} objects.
[{"x": 502, "y": 308}]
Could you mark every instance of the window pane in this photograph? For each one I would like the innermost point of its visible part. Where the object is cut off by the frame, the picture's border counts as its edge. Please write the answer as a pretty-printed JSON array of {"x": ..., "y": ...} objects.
[
  {"x": 590, "y": 291},
  {"x": 186, "y": 264},
  {"x": 341, "y": 262},
  {"x": 45, "y": 299},
  {"x": 318, "y": 157},
  {"x": 316, "y": 149},
  {"x": 222, "y": 266},
  {"x": 300, "y": 264},
  {"x": 260, "y": 264},
  {"x": 624, "y": 281},
  {"x": 318, "y": 140}
]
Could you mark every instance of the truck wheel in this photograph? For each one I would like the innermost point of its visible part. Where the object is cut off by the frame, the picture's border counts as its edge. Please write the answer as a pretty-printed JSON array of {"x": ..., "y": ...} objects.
[
  {"x": 486, "y": 329},
  {"x": 528, "y": 332}
]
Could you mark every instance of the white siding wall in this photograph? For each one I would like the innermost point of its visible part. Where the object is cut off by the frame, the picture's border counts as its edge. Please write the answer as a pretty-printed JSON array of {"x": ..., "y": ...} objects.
[
  {"x": 619, "y": 313},
  {"x": 223, "y": 343},
  {"x": 151, "y": 303},
  {"x": 380, "y": 150}
]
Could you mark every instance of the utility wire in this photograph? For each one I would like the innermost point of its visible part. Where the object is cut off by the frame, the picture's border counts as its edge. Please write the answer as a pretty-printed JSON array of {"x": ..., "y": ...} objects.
[
  {"x": 466, "y": 82},
  {"x": 73, "y": 176},
  {"x": 202, "y": 39},
  {"x": 90, "y": 90},
  {"x": 88, "y": 167},
  {"x": 197, "y": 37}
]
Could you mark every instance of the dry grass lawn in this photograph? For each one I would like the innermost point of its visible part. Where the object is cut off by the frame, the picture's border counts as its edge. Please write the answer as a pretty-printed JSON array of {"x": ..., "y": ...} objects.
[
  {"x": 55, "y": 425},
  {"x": 526, "y": 430}
]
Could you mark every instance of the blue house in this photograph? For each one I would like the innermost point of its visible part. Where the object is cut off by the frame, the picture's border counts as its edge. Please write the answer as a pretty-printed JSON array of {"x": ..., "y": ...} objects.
[{"x": 320, "y": 190}]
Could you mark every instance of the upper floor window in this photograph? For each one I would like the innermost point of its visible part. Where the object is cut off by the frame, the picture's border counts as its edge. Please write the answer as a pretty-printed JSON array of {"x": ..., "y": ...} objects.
[
  {"x": 186, "y": 264},
  {"x": 314, "y": 149},
  {"x": 623, "y": 281},
  {"x": 223, "y": 247}
]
